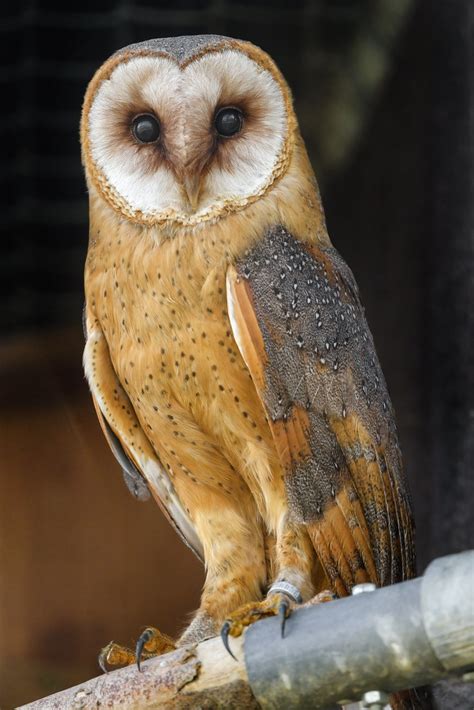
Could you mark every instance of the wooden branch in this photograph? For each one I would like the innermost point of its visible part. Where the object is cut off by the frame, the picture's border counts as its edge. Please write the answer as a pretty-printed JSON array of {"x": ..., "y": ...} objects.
[
  {"x": 409, "y": 634},
  {"x": 202, "y": 675}
]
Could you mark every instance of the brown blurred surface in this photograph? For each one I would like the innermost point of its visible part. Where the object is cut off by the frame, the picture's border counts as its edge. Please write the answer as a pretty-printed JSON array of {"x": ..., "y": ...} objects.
[{"x": 81, "y": 561}]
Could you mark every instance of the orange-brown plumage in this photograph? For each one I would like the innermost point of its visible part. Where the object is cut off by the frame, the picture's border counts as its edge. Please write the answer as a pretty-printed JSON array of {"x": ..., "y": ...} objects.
[{"x": 228, "y": 351}]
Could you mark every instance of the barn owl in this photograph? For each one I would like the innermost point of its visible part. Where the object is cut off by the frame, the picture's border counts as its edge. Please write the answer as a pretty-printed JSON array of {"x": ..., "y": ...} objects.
[{"x": 227, "y": 352}]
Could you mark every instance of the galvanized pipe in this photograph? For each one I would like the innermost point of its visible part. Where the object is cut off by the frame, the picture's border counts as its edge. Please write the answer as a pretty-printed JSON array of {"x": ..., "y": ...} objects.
[{"x": 397, "y": 637}]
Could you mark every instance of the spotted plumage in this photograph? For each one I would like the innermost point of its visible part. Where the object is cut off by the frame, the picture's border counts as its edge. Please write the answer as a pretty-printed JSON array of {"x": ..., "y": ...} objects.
[
  {"x": 227, "y": 351},
  {"x": 322, "y": 375}
]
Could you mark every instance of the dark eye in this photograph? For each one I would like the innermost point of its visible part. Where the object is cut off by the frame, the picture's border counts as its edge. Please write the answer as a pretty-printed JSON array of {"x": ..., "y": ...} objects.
[
  {"x": 146, "y": 128},
  {"x": 228, "y": 121}
]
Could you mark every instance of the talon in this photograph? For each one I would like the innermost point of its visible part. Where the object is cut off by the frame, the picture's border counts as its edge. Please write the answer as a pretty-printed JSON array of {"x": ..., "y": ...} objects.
[
  {"x": 282, "y": 614},
  {"x": 225, "y": 637},
  {"x": 102, "y": 658},
  {"x": 145, "y": 636}
]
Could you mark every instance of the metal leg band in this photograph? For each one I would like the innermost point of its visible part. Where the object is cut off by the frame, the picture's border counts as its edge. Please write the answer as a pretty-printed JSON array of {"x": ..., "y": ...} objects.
[{"x": 286, "y": 588}]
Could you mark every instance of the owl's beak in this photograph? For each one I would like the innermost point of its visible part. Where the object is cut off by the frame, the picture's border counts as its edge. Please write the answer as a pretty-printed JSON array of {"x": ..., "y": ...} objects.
[{"x": 192, "y": 188}]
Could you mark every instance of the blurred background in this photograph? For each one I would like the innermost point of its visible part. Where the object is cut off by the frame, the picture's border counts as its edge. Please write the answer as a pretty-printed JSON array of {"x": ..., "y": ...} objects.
[{"x": 384, "y": 93}]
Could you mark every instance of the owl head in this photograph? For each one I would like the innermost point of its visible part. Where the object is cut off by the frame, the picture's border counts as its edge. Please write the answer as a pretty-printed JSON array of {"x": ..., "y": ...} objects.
[{"x": 186, "y": 129}]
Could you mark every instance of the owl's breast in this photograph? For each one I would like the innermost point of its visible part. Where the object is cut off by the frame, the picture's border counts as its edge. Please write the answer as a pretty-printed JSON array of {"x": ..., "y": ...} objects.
[{"x": 166, "y": 322}]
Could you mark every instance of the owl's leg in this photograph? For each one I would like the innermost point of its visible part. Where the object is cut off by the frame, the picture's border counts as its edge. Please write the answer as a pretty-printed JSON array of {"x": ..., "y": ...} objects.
[
  {"x": 234, "y": 552},
  {"x": 296, "y": 580},
  {"x": 295, "y": 559},
  {"x": 298, "y": 566}
]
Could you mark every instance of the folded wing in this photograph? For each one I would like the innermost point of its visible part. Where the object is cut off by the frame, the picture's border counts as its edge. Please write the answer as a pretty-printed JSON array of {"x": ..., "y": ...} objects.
[
  {"x": 299, "y": 323},
  {"x": 140, "y": 464}
]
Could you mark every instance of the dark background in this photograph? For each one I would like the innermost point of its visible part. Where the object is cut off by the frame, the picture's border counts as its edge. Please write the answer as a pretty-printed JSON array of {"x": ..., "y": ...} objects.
[{"x": 384, "y": 93}]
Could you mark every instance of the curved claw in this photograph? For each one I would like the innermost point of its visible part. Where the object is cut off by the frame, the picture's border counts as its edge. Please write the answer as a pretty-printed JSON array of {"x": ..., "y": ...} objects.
[
  {"x": 144, "y": 637},
  {"x": 101, "y": 659},
  {"x": 283, "y": 614},
  {"x": 225, "y": 637}
]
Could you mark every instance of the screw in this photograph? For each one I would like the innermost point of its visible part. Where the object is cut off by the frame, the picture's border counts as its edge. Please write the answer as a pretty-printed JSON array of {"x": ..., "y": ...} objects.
[
  {"x": 361, "y": 588},
  {"x": 374, "y": 699}
]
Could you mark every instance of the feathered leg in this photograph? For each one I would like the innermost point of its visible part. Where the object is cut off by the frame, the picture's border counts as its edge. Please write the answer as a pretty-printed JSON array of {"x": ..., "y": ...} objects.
[{"x": 236, "y": 573}]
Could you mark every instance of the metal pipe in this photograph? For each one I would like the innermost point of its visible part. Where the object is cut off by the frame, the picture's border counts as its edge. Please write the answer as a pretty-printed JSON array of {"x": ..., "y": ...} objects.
[{"x": 397, "y": 637}]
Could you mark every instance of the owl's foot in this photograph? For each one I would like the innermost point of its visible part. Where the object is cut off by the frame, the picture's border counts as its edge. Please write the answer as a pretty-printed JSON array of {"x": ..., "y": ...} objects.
[
  {"x": 150, "y": 643},
  {"x": 276, "y": 604},
  {"x": 325, "y": 596},
  {"x": 115, "y": 655}
]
